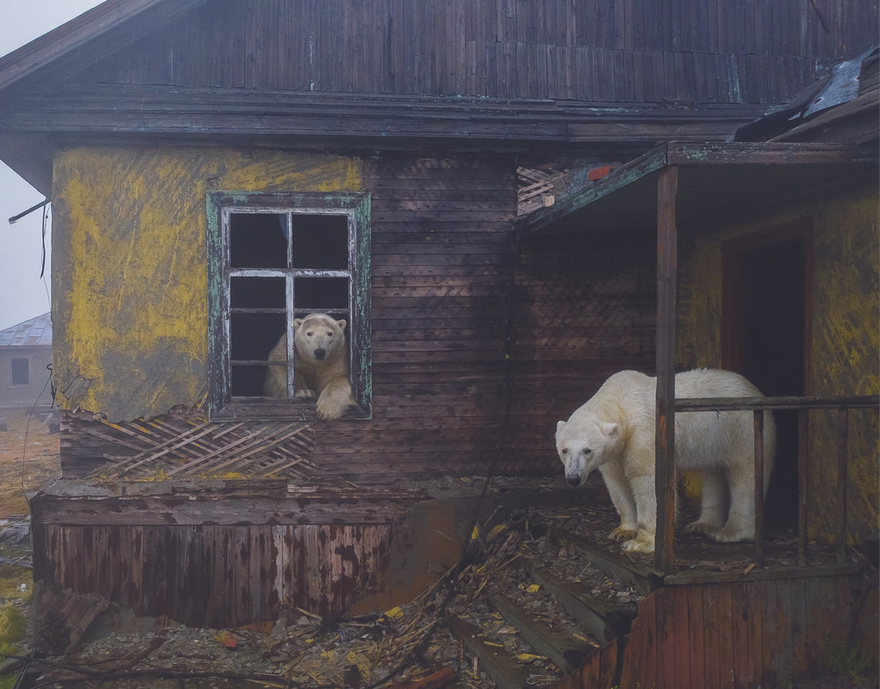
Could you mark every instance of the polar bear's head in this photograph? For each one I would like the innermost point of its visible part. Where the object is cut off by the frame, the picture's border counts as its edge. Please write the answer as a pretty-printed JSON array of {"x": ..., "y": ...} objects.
[
  {"x": 584, "y": 446},
  {"x": 319, "y": 337}
]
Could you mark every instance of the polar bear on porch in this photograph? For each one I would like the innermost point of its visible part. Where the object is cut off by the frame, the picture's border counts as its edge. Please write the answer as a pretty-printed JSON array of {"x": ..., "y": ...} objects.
[
  {"x": 614, "y": 433},
  {"x": 320, "y": 365}
]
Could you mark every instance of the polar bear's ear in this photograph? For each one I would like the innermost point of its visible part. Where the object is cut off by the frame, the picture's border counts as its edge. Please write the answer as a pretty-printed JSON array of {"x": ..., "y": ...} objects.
[
  {"x": 297, "y": 322},
  {"x": 609, "y": 429},
  {"x": 559, "y": 427},
  {"x": 341, "y": 323}
]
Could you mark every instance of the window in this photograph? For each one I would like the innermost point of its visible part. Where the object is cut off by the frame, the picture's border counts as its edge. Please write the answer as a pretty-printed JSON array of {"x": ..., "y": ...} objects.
[
  {"x": 21, "y": 371},
  {"x": 274, "y": 258}
]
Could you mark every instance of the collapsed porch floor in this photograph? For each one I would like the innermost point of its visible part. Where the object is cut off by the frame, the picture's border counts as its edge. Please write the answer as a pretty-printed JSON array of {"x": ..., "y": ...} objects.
[{"x": 547, "y": 538}]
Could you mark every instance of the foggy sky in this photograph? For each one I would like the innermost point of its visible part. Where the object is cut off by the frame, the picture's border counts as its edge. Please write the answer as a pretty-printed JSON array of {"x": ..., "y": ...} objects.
[{"x": 22, "y": 294}]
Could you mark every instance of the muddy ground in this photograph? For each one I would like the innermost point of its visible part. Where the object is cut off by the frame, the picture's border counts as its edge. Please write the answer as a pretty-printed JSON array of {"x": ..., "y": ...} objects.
[{"x": 29, "y": 456}]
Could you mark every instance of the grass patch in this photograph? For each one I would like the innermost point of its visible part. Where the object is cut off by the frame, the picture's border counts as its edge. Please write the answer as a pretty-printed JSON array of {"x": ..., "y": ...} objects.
[
  {"x": 845, "y": 659},
  {"x": 12, "y": 579},
  {"x": 13, "y": 625}
]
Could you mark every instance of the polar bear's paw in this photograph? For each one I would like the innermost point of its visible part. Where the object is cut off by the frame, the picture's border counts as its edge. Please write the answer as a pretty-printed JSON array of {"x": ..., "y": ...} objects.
[
  {"x": 623, "y": 534},
  {"x": 335, "y": 400},
  {"x": 643, "y": 543},
  {"x": 305, "y": 394},
  {"x": 703, "y": 527},
  {"x": 731, "y": 535}
]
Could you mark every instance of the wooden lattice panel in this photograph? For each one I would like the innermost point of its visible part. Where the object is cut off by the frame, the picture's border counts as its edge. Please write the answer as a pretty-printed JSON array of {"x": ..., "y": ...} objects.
[
  {"x": 187, "y": 447},
  {"x": 536, "y": 188}
]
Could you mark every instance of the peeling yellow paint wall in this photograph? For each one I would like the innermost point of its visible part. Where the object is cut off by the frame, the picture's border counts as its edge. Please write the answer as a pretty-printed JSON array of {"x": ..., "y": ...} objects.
[
  {"x": 846, "y": 303},
  {"x": 843, "y": 341},
  {"x": 130, "y": 266}
]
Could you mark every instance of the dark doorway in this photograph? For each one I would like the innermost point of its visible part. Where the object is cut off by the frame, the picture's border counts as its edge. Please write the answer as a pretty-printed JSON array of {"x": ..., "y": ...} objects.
[{"x": 765, "y": 322}]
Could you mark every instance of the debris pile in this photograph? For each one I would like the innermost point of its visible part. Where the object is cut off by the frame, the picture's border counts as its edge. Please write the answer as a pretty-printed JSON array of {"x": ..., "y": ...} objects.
[{"x": 414, "y": 645}]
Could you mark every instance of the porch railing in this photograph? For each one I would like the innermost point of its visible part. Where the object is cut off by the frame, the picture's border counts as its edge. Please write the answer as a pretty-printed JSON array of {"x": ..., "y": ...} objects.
[{"x": 758, "y": 405}]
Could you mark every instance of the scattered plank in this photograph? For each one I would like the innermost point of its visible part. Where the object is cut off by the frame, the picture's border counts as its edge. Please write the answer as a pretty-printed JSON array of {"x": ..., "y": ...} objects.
[
  {"x": 497, "y": 663},
  {"x": 603, "y": 617}
]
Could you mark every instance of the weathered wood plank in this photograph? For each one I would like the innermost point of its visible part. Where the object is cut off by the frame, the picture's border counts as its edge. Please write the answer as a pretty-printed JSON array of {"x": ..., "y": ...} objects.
[
  {"x": 756, "y": 625},
  {"x": 711, "y": 635},
  {"x": 561, "y": 648},
  {"x": 504, "y": 672}
]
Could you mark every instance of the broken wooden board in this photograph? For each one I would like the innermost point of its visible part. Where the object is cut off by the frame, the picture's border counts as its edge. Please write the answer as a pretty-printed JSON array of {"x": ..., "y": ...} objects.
[
  {"x": 497, "y": 663},
  {"x": 559, "y": 646},
  {"x": 642, "y": 579},
  {"x": 604, "y": 617}
]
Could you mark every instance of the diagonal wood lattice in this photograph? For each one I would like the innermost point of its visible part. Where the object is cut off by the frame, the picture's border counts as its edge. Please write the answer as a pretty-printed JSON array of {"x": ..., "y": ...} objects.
[
  {"x": 186, "y": 447},
  {"x": 534, "y": 187}
]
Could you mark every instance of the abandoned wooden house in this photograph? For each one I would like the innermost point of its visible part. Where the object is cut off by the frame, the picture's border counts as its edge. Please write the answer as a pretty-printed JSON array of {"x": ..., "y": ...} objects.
[
  {"x": 507, "y": 201},
  {"x": 25, "y": 362}
]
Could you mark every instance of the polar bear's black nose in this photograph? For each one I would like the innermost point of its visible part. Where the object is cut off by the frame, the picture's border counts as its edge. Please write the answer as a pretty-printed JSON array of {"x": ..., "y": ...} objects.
[
  {"x": 573, "y": 481},
  {"x": 320, "y": 353}
]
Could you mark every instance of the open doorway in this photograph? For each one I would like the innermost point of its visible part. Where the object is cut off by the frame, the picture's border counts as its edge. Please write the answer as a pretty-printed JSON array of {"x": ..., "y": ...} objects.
[{"x": 766, "y": 299}]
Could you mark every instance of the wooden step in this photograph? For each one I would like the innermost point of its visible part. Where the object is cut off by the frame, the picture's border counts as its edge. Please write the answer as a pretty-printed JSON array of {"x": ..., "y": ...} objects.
[
  {"x": 563, "y": 649},
  {"x": 606, "y": 618},
  {"x": 496, "y": 661},
  {"x": 643, "y": 579}
]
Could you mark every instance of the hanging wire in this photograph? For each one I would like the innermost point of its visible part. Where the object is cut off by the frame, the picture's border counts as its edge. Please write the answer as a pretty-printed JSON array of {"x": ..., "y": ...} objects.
[
  {"x": 27, "y": 428},
  {"x": 45, "y": 220}
]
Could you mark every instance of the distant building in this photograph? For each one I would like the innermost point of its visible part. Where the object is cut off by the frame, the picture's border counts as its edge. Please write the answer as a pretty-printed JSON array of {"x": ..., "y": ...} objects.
[{"x": 25, "y": 354}]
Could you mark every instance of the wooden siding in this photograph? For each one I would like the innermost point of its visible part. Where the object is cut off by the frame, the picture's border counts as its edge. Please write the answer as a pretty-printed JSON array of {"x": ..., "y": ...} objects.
[
  {"x": 215, "y": 575},
  {"x": 842, "y": 342},
  {"x": 737, "y": 635},
  {"x": 443, "y": 255},
  {"x": 622, "y": 51},
  {"x": 215, "y": 553}
]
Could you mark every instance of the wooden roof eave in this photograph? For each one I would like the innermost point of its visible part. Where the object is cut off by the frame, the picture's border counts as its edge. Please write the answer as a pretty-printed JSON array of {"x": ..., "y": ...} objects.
[
  {"x": 632, "y": 184},
  {"x": 91, "y": 36}
]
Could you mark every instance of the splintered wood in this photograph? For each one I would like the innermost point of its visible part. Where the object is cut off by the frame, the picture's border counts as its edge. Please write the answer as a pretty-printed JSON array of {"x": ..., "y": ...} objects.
[
  {"x": 460, "y": 634},
  {"x": 183, "y": 447},
  {"x": 488, "y": 622}
]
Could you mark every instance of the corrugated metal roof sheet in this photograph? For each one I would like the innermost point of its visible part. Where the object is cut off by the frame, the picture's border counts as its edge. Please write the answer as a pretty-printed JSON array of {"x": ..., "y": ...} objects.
[{"x": 37, "y": 331}]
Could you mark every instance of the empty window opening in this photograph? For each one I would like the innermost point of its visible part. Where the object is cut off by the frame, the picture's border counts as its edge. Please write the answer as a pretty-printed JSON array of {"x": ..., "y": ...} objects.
[
  {"x": 283, "y": 266},
  {"x": 275, "y": 258},
  {"x": 21, "y": 371}
]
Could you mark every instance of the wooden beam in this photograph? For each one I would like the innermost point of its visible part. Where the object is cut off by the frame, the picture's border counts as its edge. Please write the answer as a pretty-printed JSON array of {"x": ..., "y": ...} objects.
[
  {"x": 759, "y": 487},
  {"x": 803, "y": 436},
  {"x": 689, "y": 154},
  {"x": 582, "y": 192},
  {"x": 667, "y": 267},
  {"x": 842, "y": 479}
]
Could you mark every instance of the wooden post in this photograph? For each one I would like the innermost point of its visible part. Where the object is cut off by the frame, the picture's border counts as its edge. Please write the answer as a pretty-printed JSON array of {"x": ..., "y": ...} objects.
[
  {"x": 802, "y": 487},
  {"x": 759, "y": 488},
  {"x": 667, "y": 267},
  {"x": 842, "y": 443}
]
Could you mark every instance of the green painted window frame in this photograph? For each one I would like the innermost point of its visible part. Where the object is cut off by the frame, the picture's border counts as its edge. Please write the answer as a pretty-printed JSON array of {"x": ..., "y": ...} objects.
[{"x": 220, "y": 204}]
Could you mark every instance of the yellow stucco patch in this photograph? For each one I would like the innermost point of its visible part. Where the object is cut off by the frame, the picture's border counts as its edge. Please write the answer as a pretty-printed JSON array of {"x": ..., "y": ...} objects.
[
  {"x": 130, "y": 266},
  {"x": 842, "y": 342}
]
